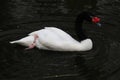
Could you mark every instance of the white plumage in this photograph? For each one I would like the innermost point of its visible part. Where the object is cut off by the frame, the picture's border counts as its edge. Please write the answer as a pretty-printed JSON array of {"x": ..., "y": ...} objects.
[{"x": 51, "y": 38}]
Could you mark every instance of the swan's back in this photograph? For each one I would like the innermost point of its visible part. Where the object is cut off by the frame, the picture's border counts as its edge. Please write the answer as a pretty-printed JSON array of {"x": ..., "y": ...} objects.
[
  {"x": 54, "y": 33},
  {"x": 60, "y": 32}
]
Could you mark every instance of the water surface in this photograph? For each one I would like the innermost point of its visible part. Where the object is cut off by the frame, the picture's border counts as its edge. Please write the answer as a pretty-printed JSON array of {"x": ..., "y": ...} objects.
[{"x": 20, "y": 17}]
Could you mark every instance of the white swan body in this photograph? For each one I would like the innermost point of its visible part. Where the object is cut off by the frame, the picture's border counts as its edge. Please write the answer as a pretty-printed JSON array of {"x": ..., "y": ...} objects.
[{"x": 51, "y": 38}]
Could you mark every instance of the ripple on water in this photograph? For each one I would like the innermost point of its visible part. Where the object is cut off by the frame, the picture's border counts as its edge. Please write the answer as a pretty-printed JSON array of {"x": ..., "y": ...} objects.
[{"x": 101, "y": 61}]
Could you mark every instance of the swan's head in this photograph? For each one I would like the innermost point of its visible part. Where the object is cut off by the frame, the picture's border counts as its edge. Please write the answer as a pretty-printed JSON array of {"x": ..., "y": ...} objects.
[
  {"x": 90, "y": 17},
  {"x": 26, "y": 41}
]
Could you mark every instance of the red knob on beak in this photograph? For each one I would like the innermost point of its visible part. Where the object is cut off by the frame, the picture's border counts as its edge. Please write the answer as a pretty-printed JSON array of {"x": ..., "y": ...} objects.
[{"x": 95, "y": 19}]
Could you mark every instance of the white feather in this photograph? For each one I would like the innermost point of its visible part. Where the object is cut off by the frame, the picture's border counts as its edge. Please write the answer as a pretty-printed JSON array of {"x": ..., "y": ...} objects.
[{"x": 51, "y": 38}]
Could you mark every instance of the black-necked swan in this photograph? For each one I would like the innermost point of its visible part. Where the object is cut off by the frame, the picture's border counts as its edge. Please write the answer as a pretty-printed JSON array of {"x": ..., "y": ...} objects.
[{"x": 52, "y": 38}]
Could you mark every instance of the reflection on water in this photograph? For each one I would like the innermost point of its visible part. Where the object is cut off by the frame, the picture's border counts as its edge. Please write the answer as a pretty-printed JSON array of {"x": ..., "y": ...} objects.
[{"x": 22, "y": 17}]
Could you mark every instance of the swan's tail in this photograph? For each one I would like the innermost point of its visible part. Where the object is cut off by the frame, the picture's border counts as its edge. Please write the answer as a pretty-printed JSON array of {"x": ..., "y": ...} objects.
[{"x": 17, "y": 41}]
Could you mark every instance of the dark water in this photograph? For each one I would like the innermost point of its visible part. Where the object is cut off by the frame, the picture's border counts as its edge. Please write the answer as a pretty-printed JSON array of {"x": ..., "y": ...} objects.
[{"x": 19, "y": 17}]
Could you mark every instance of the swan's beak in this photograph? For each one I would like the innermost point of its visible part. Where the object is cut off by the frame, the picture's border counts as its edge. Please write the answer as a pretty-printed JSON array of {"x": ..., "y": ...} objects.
[{"x": 99, "y": 24}]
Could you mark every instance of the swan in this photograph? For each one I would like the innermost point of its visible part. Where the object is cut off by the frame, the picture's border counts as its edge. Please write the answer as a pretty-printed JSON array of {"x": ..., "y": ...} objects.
[{"x": 52, "y": 38}]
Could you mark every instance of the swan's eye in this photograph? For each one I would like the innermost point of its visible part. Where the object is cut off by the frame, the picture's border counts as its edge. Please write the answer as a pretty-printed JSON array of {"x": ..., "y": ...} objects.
[{"x": 95, "y": 19}]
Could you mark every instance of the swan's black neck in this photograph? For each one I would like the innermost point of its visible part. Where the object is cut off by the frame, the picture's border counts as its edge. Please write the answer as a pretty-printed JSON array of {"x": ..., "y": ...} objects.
[{"x": 78, "y": 25}]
